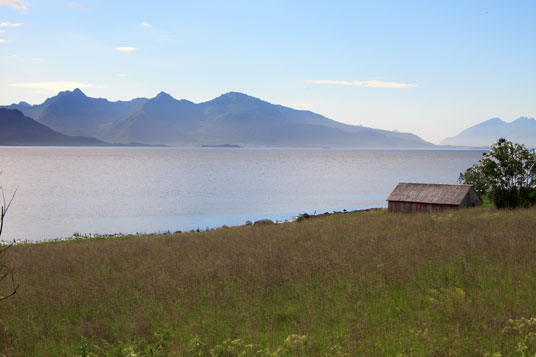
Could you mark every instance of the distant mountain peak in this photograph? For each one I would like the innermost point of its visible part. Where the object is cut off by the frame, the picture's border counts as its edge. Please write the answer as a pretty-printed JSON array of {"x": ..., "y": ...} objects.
[
  {"x": 236, "y": 94},
  {"x": 164, "y": 97},
  {"x": 233, "y": 97},
  {"x": 523, "y": 120},
  {"x": 163, "y": 94},
  {"x": 74, "y": 93},
  {"x": 521, "y": 130},
  {"x": 493, "y": 121}
]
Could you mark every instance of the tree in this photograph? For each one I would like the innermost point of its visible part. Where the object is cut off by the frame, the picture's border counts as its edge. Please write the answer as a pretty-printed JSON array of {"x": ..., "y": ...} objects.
[
  {"x": 475, "y": 176},
  {"x": 8, "y": 287},
  {"x": 507, "y": 174}
]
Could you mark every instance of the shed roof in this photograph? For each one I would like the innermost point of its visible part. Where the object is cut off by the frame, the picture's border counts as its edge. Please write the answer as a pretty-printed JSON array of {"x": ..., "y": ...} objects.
[{"x": 429, "y": 193}]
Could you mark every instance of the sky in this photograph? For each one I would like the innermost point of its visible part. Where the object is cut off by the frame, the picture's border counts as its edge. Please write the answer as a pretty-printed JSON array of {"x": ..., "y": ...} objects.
[{"x": 432, "y": 68}]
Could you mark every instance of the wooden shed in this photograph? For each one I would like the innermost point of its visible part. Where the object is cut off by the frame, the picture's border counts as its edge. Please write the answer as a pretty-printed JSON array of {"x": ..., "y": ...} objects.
[{"x": 429, "y": 197}]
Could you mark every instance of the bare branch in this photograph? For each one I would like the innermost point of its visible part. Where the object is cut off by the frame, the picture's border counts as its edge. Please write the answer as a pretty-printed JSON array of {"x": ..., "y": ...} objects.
[
  {"x": 5, "y": 207},
  {"x": 5, "y": 271}
]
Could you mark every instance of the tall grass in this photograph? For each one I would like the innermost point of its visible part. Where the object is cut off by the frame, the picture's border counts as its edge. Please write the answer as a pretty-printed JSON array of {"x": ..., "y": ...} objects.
[{"x": 357, "y": 283}]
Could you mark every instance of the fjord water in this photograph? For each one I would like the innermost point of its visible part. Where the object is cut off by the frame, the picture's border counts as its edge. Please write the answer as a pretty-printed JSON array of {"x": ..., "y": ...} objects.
[{"x": 109, "y": 190}]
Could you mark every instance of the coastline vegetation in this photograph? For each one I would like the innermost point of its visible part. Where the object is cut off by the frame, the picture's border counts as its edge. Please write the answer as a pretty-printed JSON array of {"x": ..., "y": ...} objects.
[
  {"x": 360, "y": 283},
  {"x": 506, "y": 174}
]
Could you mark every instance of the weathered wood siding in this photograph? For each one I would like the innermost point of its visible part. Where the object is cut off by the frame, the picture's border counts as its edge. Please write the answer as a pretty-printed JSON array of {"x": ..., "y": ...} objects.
[{"x": 396, "y": 206}]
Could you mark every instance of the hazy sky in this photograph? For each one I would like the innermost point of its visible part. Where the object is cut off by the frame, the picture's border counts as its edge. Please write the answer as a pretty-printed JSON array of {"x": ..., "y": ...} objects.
[{"x": 428, "y": 67}]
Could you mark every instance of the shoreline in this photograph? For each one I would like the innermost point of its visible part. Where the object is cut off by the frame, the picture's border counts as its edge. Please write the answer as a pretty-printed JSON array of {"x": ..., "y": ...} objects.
[{"x": 98, "y": 236}]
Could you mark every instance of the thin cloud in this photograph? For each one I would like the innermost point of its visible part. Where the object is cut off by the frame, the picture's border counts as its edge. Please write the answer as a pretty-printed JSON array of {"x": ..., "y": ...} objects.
[
  {"x": 77, "y": 6},
  {"x": 53, "y": 87},
  {"x": 2, "y": 31},
  {"x": 145, "y": 24},
  {"x": 122, "y": 75},
  {"x": 369, "y": 84},
  {"x": 10, "y": 24},
  {"x": 2, "y": 40},
  {"x": 126, "y": 49},
  {"x": 17, "y": 4}
]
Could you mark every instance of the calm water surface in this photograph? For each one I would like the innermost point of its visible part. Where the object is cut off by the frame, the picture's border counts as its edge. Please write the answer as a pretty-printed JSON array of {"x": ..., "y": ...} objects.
[{"x": 129, "y": 190}]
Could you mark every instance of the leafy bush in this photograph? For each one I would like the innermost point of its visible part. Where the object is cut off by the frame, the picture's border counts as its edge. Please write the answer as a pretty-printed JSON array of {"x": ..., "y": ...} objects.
[{"x": 507, "y": 173}]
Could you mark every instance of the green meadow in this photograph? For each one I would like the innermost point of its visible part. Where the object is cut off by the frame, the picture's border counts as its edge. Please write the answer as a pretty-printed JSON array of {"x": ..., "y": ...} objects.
[{"x": 361, "y": 283}]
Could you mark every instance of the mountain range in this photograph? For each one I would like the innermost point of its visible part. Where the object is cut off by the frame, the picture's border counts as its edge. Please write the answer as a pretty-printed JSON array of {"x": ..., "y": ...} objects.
[
  {"x": 521, "y": 130},
  {"x": 17, "y": 129},
  {"x": 74, "y": 113},
  {"x": 230, "y": 119}
]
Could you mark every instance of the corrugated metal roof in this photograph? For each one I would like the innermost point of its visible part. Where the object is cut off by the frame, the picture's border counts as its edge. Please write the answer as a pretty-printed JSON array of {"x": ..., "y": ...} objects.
[{"x": 429, "y": 193}]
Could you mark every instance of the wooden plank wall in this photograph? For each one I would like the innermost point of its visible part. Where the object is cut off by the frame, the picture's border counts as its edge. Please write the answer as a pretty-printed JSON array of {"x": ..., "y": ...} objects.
[{"x": 396, "y": 206}]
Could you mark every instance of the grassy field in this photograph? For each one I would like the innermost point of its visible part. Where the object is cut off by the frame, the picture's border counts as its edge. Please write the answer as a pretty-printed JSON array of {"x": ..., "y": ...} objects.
[{"x": 369, "y": 283}]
